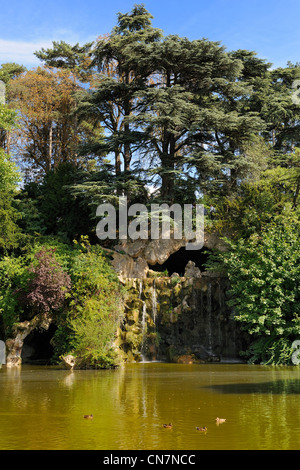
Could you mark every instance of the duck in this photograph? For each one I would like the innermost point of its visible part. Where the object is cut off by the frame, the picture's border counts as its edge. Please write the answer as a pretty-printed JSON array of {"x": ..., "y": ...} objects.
[
  {"x": 220, "y": 420},
  {"x": 204, "y": 429},
  {"x": 168, "y": 426},
  {"x": 88, "y": 416}
]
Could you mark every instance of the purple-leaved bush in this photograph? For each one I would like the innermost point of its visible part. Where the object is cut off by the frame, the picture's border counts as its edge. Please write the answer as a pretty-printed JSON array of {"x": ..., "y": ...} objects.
[{"x": 48, "y": 284}]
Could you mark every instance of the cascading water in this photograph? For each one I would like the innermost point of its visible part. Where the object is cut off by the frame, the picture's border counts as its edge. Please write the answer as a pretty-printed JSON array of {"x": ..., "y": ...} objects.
[
  {"x": 144, "y": 326},
  {"x": 148, "y": 320},
  {"x": 144, "y": 316},
  {"x": 143, "y": 322},
  {"x": 180, "y": 317},
  {"x": 154, "y": 303},
  {"x": 209, "y": 319}
]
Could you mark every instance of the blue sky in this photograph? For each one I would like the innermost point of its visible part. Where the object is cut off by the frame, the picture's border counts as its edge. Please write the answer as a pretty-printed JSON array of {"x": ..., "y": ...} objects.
[{"x": 269, "y": 27}]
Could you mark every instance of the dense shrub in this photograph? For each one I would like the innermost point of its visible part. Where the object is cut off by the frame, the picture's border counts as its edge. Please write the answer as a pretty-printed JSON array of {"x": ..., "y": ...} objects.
[
  {"x": 264, "y": 271},
  {"x": 94, "y": 309},
  {"x": 9, "y": 178},
  {"x": 47, "y": 286},
  {"x": 13, "y": 274}
]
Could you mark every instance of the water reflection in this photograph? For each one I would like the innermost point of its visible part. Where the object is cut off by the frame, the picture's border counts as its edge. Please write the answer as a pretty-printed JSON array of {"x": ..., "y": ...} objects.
[
  {"x": 68, "y": 381},
  {"x": 43, "y": 408},
  {"x": 283, "y": 386}
]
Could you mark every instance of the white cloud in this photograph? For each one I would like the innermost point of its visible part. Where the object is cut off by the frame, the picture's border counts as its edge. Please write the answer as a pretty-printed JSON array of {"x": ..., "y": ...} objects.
[{"x": 21, "y": 52}]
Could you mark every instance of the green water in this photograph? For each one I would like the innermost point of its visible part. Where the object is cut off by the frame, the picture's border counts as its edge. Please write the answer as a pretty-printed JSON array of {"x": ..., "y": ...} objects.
[{"x": 43, "y": 408}]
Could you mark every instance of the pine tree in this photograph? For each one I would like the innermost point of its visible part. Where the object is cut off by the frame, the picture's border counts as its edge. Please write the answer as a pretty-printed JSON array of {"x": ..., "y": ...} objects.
[
  {"x": 121, "y": 60},
  {"x": 190, "y": 118},
  {"x": 65, "y": 56}
]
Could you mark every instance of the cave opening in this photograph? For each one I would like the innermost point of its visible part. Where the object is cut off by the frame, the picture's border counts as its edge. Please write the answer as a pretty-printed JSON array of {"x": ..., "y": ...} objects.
[
  {"x": 177, "y": 262},
  {"x": 37, "y": 347}
]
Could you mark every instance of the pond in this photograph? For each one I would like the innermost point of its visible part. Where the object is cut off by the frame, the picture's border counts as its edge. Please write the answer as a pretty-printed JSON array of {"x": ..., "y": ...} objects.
[{"x": 42, "y": 408}]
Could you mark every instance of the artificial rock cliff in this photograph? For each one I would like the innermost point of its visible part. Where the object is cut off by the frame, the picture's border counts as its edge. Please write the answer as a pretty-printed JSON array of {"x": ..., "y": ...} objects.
[{"x": 170, "y": 316}]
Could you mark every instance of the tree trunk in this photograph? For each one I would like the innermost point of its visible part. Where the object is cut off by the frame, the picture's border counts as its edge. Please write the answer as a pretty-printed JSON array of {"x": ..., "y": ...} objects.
[
  {"x": 127, "y": 158},
  {"x": 117, "y": 162},
  {"x": 2, "y": 138},
  {"x": 168, "y": 165},
  {"x": 167, "y": 184},
  {"x": 273, "y": 137},
  {"x": 127, "y": 112},
  {"x": 8, "y": 140}
]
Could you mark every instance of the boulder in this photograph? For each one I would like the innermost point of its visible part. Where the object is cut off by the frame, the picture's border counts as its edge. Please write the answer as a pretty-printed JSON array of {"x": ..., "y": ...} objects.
[
  {"x": 151, "y": 251},
  {"x": 69, "y": 361},
  {"x": 129, "y": 268},
  {"x": 192, "y": 271},
  {"x": 14, "y": 347},
  {"x": 159, "y": 251},
  {"x": 212, "y": 241}
]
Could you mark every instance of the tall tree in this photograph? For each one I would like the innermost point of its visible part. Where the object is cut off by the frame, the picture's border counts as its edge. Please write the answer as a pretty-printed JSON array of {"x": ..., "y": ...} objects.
[
  {"x": 190, "y": 117},
  {"x": 121, "y": 60},
  {"x": 271, "y": 97},
  {"x": 10, "y": 70},
  {"x": 45, "y": 99},
  {"x": 9, "y": 179},
  {"x": 284, "y": 113},
  {"x": 232, "y": 147},
  {"x": 75, "y": 59},
  {"x": 65, "y": 56}
]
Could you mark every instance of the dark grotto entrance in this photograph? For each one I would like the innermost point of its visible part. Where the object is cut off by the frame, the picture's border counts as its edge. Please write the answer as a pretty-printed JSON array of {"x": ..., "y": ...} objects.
[
  {"x": 37, "y": 348},
  {"x": 177, "y": 262}
]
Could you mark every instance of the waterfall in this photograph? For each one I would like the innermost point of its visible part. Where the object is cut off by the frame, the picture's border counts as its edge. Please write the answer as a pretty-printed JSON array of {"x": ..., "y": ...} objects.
[
  {"x": 144, "y": 314},
  {"x": 144, "y": 327},
  {"x": 154, "y": 303},
  {"x": 221, "y": 310},
  {"x": 209, "y": 318},
  {"x": 143, "y": 322}
]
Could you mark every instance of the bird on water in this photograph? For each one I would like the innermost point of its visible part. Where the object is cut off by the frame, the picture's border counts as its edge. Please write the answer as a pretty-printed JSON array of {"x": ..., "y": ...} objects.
[{"x": 204, "y": 429}]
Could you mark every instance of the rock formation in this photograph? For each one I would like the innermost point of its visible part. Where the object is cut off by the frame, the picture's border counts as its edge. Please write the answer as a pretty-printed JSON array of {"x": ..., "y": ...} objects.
[
  {"x": 173, "y": 318},
  {"x": 178, "y": 319},
  {"x": 151, "y": 251},
  {"x": 69, "y": 361},
  {"x": 21, "y": 331}
]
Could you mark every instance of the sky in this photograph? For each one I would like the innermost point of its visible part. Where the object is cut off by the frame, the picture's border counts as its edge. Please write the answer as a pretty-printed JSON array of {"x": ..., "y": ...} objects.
[{"x": 268, "y": 27}]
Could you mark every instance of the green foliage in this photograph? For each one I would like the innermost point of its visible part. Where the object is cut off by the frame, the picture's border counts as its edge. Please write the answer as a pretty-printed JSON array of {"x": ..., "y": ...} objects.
[
  {"x": 63, "y": 55},
  {"x": 13, "y": 275},
  {"x": 94, "y": 309},
  {"x": 9, "y": 179},
  {"x": 10, "y": 70},
  {"x": 273, "y": 198},
  {"x": 264, "y": 271},
  {"x": 7, "y": 117},
  {"x": 64, "y": 214},
  {"x": 10, "y": 234},
  {"x": 275, "y": 351},
  {"x": 90, "y": 315},
  {"x": 9, "y": 230},
  {"x": 9, "y": 174}
]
